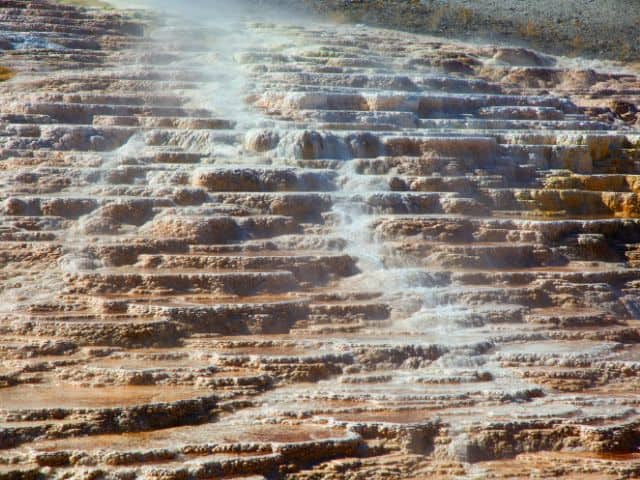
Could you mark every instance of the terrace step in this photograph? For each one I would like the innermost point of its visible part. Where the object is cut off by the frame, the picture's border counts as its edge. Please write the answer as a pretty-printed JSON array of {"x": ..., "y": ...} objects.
[{"x": 311, "y": 250}]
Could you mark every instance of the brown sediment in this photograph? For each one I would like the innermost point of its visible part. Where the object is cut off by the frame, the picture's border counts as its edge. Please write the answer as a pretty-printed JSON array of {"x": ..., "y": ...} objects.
[{"x": 6, "y": 74}]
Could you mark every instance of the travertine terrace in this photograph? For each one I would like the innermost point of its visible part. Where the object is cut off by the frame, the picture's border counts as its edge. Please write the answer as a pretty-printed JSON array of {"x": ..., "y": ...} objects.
[{"x": 312, "y": 252}]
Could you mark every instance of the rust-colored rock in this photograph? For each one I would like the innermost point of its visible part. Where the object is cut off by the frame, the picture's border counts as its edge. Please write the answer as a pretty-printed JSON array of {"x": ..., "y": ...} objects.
[{"x": 311, "y": 251}]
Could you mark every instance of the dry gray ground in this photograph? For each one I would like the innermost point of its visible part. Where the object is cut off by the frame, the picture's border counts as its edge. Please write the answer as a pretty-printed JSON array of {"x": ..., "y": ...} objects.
[
  {"x": 594, "y": 28},
  {"x": 587, "y": 22}
]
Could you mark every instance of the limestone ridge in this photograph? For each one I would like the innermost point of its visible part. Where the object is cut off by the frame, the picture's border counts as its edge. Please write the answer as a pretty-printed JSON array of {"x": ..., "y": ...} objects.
[{"x": 311, "y": 251}]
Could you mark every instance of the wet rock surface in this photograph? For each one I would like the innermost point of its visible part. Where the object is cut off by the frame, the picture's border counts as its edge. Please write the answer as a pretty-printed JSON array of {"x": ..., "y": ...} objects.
[{"x": 282, "y": 251}]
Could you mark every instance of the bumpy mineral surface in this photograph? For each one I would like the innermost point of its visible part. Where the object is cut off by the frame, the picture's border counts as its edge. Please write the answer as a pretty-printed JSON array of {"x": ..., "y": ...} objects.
[{"x": 270, "y": 250}]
